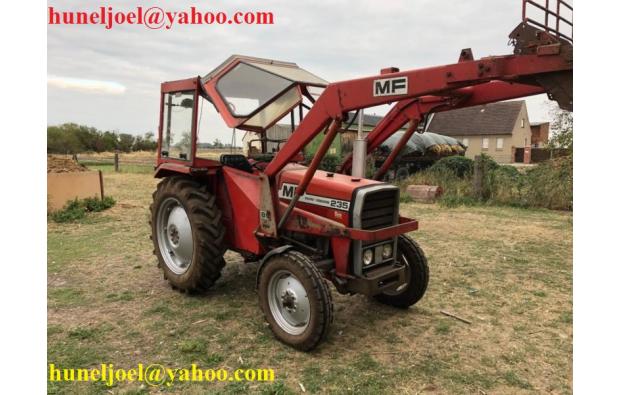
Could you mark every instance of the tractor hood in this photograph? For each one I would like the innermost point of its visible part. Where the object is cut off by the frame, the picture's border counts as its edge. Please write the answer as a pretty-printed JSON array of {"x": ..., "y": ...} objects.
[{"x": 329, "y": 194}]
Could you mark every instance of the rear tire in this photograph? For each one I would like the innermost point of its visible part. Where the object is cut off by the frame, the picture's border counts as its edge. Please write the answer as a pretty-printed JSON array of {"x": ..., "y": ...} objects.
[
  {"x": 295, "y": 299},
  {"x": 411, "y": 254},
  {"x": 187, "y": 233}
]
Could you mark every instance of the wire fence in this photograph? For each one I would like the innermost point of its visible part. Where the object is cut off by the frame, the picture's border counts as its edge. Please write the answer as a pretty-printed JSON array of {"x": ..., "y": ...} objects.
[{"x": 120, "y": 161}]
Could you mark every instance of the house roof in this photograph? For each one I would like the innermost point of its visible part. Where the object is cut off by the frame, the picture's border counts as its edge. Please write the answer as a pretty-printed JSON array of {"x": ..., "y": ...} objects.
[
  {"x": 369, "y": 120},
  {"x": 538, "y": 123},
  {"x": 496, "y": 118}
]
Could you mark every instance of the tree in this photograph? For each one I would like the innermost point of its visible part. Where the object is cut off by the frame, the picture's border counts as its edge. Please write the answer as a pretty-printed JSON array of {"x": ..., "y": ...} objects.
[
  {"x": 138, "y": 143},
  {"x": 562, "y": 130},
  {"x": 146, "y": 143},
  {"x": 150, "y": 142},
  {"x": 71, "y": 138},
  {"x": 125, "y": 142},
  {"x": 109, "y": 141},
  {"x": 185, "y": 142},
  {"x": 60, "y": 140}
]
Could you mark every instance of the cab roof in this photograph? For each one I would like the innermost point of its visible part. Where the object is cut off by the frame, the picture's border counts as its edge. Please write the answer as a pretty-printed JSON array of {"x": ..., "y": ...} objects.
[{"x": 289, "y": 70}]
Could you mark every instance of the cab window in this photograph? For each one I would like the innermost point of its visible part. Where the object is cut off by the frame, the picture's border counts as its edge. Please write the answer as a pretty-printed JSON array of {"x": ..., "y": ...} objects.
[
  {"x": 247, "y": 88},
  {"x": 177, "y": 125}
]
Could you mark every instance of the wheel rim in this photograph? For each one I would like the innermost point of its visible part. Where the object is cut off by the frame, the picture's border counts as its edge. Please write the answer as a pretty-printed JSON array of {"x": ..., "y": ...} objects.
[
  {"x": 174, "y": 236},
  {"x": 288, "y": 302},
  {"x": 401, "y": 288}
]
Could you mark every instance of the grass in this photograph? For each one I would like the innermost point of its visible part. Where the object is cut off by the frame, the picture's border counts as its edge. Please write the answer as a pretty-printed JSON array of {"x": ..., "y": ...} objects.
[{"x": 508, "y": 270}]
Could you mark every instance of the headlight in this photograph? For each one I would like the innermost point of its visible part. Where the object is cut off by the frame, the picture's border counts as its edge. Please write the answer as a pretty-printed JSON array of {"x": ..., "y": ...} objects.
[
  {"x": 367, "y": 258},
  {"x": 387, "y": 251}
]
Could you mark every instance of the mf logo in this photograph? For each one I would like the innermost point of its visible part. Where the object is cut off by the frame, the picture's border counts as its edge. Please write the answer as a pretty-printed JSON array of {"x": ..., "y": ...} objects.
[
  {"x": 390, "y": 86},
  {"x": 288, "y": 191}
]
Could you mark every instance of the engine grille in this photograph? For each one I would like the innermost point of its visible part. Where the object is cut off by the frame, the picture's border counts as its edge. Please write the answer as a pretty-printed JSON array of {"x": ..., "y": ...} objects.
[
  {"x": 374, "y": 207},
  {"x": 380, "y": 209}
]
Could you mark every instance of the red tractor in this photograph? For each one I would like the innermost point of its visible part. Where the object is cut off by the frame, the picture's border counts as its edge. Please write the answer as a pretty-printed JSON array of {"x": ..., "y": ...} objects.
[{"x": 302, "y": 225}]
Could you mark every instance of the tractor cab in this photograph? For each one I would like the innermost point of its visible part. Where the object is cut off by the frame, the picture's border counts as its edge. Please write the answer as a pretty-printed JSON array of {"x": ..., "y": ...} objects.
[{"x": 250, "y": 94}]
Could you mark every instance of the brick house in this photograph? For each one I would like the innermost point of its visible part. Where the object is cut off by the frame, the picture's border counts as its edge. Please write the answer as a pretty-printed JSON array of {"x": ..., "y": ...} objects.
[
  {"x": 540, "y": 134},
  {"x": 496, "y": 129}
]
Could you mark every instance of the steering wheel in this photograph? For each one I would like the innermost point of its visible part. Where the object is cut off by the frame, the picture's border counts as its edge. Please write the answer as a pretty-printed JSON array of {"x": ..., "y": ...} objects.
[{"x": 255, "y": 164}]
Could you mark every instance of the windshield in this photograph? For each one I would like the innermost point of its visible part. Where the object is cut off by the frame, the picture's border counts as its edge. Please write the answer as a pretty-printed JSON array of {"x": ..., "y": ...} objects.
[{"x": 246, "y": 88}]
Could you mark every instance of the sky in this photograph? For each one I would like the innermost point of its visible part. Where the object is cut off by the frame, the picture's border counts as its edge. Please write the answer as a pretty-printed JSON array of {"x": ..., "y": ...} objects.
[{"x": 110, "y": 79}]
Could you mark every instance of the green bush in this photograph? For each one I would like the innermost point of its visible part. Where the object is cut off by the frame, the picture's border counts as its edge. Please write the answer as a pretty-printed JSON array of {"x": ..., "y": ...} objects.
[
  {"x": 488, "y": 163},
  {"x": 504, "y": 185},
  {"x": 96, "y": 205},
  {"x": 73, "y": 211},
  {"x": 548, "y": 185},
  {"x": 329, "y": 162},
  {"x": 458, "y": 165},
  {"x": 76, "y": 210},
  {"x": 371, "y": 169}
]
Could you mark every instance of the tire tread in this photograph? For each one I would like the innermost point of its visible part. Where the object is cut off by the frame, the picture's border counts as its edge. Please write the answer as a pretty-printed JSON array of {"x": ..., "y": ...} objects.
[
  {"x": 204, "y": 214},
  {"x": 320, "y": 289}
]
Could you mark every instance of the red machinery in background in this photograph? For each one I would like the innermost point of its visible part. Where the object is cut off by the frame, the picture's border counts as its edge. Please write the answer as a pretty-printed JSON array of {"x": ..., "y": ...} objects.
[{"x": 305, "y": 225}]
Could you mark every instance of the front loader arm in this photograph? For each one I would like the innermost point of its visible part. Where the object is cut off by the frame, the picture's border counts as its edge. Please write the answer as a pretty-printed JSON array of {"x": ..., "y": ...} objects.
[
  {"x": 341, "y": 97},
  {"x": 416, "y": 109}
]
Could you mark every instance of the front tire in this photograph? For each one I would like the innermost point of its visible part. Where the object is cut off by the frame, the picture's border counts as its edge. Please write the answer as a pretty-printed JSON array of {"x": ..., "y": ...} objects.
[
  {"x": 411, "y": 255},
  {"x": 295, "y": 299},
  {"x": 187, "y": 234}
]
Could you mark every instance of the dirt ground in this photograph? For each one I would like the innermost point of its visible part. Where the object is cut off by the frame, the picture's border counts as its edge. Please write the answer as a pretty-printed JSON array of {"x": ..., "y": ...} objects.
[{"x": 507, "y": 270}]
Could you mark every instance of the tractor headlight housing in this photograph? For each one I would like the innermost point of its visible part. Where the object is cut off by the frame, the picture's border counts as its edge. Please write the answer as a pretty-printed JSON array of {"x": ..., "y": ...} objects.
[
  {"x": 387, "y": 251},
  {"x": 368, "y": 256}
]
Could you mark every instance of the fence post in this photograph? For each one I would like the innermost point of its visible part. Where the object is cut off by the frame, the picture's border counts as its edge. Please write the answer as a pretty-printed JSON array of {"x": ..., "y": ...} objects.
[
  {"x": 116, "y": 161},
  {"x": 478, "y": 176}
]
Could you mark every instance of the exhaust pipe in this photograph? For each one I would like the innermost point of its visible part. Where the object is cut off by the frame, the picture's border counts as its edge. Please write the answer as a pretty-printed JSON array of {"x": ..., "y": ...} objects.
[{"x": 359, "y": 149}]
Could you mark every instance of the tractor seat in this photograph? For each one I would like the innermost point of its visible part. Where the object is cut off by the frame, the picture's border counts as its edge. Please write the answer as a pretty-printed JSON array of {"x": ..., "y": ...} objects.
[{"x": 237, "y": 161}]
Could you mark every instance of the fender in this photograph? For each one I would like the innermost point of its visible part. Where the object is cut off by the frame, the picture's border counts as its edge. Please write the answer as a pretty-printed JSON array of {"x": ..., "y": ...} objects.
[{"x": 271, "y": 253}]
